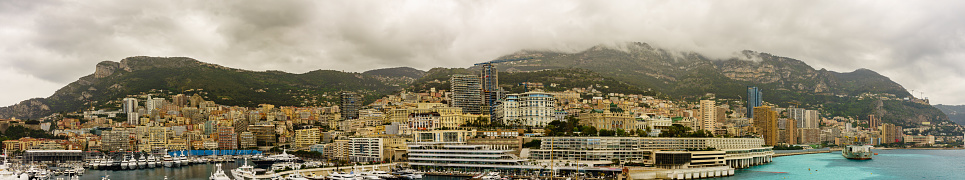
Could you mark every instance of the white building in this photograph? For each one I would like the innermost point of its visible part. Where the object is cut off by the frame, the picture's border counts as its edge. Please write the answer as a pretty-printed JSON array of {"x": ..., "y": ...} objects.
[
  {"x": 365, "y": 149},
  {"x": 421, "y": 122},
  {"x": 530, "y": 109}
]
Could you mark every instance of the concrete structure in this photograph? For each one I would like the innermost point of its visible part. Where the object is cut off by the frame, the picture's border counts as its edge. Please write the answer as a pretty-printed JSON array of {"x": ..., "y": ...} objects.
[
  {"x": 227, "y": 138},
  {"x": 765, "y": 124},
  {"x": 708, "y": 115},
  {"x": 919, "y": 139},
  {"x": 307, "y": 137},
  {"x": 532, "y": 108},
  {"x": 247, "y": 140},
  {"x": 351, "y": 103},
  {"x": 467, "y": 93},
  {"x": 421, "y": 122},
  {"x": 490, "y": 89},
  {"x": 594, "y": 151},
  {"x": 366, "y": 149}
]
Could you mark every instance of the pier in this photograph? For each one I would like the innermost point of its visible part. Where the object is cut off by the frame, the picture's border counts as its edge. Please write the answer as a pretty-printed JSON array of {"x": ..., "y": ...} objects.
[
  {"x": 326, "y": 171},
  {"x": 779, "y": 153}
]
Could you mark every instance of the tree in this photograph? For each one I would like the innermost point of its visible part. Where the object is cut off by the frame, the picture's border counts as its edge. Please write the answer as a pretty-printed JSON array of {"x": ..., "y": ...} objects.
[
  {"x": 621, "y": 132},
  {"x": 589, "y": 131},
  {"x": 607, "y": 132}
]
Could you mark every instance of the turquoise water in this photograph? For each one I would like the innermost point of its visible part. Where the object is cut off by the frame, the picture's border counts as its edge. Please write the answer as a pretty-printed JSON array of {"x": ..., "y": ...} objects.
[{"x": 888, "y": 164}]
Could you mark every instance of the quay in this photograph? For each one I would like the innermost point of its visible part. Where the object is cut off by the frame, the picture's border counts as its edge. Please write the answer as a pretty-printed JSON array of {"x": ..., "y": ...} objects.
[
  {"x": 326, "y": 171},
  {"x": 779, "y": 153}
]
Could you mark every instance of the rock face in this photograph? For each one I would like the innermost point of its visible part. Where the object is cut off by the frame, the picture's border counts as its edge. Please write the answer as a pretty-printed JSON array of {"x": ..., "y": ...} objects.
[{"x": 105, "y": 68}]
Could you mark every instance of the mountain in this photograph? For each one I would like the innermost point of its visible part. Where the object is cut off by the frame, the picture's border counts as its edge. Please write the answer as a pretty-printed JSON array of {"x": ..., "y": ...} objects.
[
  {"x": 399, "y": 76},
  {"x": 955, "y": 112},
  {"x": 552, "y": 80},
  {"x": 112, "y": 81},
  {"x": 689, "y": 75}
]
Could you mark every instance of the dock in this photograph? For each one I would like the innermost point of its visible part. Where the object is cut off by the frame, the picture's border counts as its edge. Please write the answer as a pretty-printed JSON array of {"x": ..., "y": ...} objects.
[
  {"x": 779, "y": 153},
  {"x": 326, "y": 171}
]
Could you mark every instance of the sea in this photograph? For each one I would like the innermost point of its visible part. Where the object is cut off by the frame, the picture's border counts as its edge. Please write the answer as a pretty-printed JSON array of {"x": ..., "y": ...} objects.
[{"x": 888, "y": 164}]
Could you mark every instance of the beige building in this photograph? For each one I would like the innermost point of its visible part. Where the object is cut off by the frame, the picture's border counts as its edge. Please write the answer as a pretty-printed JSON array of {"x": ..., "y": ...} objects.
[
  {"x": 608, "y": 120},
  {"x": 708, "y": 115},
  {"x": 307, "y": 137}
]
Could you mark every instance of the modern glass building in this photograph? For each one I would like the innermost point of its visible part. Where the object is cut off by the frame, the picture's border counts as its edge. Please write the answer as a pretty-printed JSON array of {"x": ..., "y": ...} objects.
[{"x": 753, "y": 100}]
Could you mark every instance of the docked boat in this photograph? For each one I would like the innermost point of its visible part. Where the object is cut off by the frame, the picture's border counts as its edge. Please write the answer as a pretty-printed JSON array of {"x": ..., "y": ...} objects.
[
  {"x": 125, "y": 163},
  {"x": 142, "y": 162},
  {"x": 151, "y": 162},
  {"x": 345, "y": 176},
  {"x": 219, "y": 174},
  {"x": 283, "y": 157},
  {"x": 168, "y": 161},
  {"x": 857, "y": 152},
  {"x": 132, "y": 163},
  {"x": 245, "y": 172}
]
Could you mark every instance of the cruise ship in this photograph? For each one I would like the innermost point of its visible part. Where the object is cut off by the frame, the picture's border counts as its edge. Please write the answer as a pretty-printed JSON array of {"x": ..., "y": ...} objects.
[
  {"x": 459, "y": 155},
  {"x": 857, "y": 152}
]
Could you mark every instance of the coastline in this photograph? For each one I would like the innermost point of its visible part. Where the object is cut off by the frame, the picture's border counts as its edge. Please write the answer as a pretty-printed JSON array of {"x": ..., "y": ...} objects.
[{"x": 955, "y": 148}]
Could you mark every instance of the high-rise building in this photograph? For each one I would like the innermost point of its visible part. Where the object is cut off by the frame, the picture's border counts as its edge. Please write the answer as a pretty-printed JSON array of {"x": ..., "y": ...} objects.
[
  {"x": 179, "y": 100},
  {"x": 789, "y": 132},
  {"x": 765, "y": 122},
  {"x": 351, "y": 102},
  {"x": 227, "y": 138},
  {"x": 753, "y": 100},
  {"x": 891, "y": 133},
  {"x": 466, "y": 93},
  {"x": 811, "y": 119},
  {"x": 873, "y": 122},
  {"x": 708, "y": 111},
  {"x": 490, "y": 88},
  {"x": 130, "y": 108}
]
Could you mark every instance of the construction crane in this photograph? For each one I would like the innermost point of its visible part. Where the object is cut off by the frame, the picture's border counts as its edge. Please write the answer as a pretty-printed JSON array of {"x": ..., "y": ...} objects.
[{"x": 504, "y": 60}]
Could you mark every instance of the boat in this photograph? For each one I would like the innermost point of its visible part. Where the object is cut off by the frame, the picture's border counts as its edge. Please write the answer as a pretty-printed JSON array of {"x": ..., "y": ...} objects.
[
  {"x": 142, "y": 162},
  {"x": 341, "y": 176},
  {"x": 491, "y": 176},
  {"x": 219, "y": 174},
  {"x": 151, "y": 162},
  {"x": 132, "y": 164},
  {"x": 183, "y": 160},
  {"x": 125, "y": 163},
  {"x": 244, "y": 172},
  {"x": 857, "y": 152},
  {"x": 168, "y": 161},
  {"x": 283, "y": 157}
]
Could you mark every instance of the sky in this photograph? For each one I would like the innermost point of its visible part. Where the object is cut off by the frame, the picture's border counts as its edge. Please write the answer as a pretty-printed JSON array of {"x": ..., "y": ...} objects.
[{"x": 45, "y": 45}]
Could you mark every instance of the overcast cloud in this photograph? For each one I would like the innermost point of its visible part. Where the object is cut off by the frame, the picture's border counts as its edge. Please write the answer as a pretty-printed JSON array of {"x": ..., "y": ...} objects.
[{"x": 45, "y": 45}]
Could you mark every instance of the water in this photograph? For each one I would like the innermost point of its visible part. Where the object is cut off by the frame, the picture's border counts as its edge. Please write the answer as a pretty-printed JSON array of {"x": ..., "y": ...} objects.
[
  {"x": 888, "y": 164},
  {"x": 191, "y": 172}
]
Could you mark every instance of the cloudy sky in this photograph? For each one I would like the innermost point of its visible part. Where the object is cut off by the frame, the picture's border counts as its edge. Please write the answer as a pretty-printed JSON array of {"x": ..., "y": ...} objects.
[{"x": 45, "y": 45}]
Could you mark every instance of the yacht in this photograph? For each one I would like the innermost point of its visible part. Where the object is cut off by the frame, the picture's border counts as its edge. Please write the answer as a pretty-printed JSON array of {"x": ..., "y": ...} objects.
[
  {"x": 857, "y": 152},
  {"x": 345, "y": 176},
  {"x": 245, "y": 172},
  {"x": 151, "y": 162},
  {"x": 283, "y": 157},
  {"x": 125, "y": 163},
  {"x": 5, "y": 172},
  {"x": 183, "y": 160},
  {"x": 132, "y": 164},
  {"x": 168, "y": 161},
  {"x": 382, "y": 174},
  {"x": 142, "y": 162},
  {"x": 219, "y": 174}
]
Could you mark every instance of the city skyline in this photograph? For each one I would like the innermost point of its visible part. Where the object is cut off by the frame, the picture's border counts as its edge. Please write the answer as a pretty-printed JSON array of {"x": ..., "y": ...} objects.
[{"x": 52, "y": 43}]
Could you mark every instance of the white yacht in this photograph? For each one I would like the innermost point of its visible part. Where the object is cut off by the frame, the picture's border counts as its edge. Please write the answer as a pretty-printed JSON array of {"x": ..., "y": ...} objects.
[
  {"x": 183, "y": 161},
  {"x": 132, "y": 164},
  {"x": 382, "y": 174},
  {"x": 125, "y": 163},
  {"x": 151, "y": 162},
  {"x": 345, "y": 176},
  {"x": 142, "y": 162},
  {"x": 245, "y": 172},
  {"x": 219, "y": 174},
  {"x": 168, "y": 161}
]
